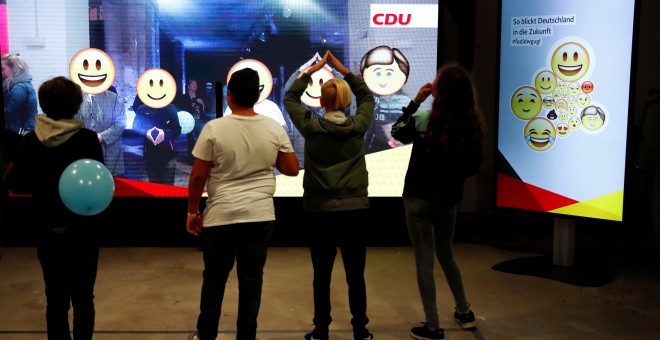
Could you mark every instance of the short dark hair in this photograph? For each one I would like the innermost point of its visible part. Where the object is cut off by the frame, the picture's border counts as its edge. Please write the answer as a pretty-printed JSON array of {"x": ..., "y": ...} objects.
[
  {"x": 244, "y": 87},
  {"x": 60, "y": 98},
  {"x": 385, "y": 55}
]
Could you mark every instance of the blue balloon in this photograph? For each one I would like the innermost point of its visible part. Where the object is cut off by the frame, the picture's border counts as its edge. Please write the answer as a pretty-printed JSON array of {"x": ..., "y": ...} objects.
[{"x": 86, "y": 187}]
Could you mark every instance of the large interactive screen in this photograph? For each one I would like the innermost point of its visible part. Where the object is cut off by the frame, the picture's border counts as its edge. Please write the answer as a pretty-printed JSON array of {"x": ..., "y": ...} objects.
[
  {"x": 564, "y": 87},
  {"x": 128, "y": 54}
]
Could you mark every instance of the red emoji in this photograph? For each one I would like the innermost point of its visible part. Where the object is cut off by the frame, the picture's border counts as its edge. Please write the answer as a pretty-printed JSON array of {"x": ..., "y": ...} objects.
[{"x": 587, "y": 87}]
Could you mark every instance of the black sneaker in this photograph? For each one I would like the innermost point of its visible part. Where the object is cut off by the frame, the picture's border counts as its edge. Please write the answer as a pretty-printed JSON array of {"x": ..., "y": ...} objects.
[
  {"x": 424, "y": 333},
  {"x": 316, "y": 335},
  {"x": 367, "y": 336},
  {"x": 466, "y": 321}
]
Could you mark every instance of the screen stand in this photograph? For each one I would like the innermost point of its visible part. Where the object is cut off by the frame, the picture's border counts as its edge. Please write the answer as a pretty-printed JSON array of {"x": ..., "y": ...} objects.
[
  {"x": 562, "y": 266},
  {"x": 563, "y": 249}
]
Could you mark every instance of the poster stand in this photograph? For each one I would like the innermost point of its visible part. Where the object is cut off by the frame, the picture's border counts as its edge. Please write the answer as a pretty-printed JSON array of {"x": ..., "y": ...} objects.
[{"x": 563, "y": 265}]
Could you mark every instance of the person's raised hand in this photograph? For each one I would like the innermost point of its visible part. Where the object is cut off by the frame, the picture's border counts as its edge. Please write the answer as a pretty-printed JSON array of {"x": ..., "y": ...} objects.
[
  {"x": 309, "y": 62},
  {"x": 337, "y": 64},
  {"x": 318, "y": 65},
  {"x": 423, "y": 93}
]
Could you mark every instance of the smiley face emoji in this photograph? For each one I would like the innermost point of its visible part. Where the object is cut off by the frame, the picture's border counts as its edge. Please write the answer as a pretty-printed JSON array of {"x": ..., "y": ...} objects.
[
  {"x": 587, "y": 87},
  {"x": 548, "y": 102},
  {"x": 93, "y": 70},
  {"x": 540, "y": 134},
  {"x": 593, "y": 118},
  {"x": 573, "y": 89},
  {"x": 526, "y": 102},
  {"x": 156, "y": 88},
  {"x": 265, "y": 77},
  {"x": 545, "y": 82},
  {"x": 583, "y": 100},
  {"x": 563, "y": 130},
  {"x": 570, "y": 61},
  {"x": 384, "y": 80},
  {"x": 312, "y": 95}
]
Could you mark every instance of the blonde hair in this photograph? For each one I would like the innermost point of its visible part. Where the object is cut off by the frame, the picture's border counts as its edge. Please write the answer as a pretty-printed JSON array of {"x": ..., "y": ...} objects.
[
  {"x": 17, "y": 66},
  {"x": 336, "y": 94}
]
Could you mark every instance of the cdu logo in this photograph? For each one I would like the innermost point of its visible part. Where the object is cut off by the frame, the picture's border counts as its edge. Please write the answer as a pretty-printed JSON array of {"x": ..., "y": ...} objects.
[{"x": 404, "y": 16}]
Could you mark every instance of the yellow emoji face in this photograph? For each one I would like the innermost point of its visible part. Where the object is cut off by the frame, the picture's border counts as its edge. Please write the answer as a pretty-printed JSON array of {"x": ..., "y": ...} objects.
[
  {"x": 570, "y": 61},
  {"x": 312, "y": 95},
  {"x": 574, "y": 122},
  {"x": 570, "y": 100},
  {"x": 574, "y": 89},
  {"x": 526, "y": 102},
  {"x": 563, "y": 116},
  {"x": 556, "y": 94},
  {"x": 583, "y": 100},
  {"x": 561, "y": 86},
  {"x": 563, "y": 130},
  {"x": 561, "y": 104},
  {"x": 384, "y": 79},
  {"x": 156, "y": 88},
  {"x": 572, "y": 110},
  {"x": 593, "y": 118},
  {"x": 93, "y": 70},
  {"x": 545, "y": 82},
  {"x": 548, "y": 102},
  {"x": 540, "y": 134},
  {"x": 265, "y": 77}
]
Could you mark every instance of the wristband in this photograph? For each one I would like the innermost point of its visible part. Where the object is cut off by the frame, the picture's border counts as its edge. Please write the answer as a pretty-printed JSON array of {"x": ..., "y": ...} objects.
[{"x": 193, "y": 214}]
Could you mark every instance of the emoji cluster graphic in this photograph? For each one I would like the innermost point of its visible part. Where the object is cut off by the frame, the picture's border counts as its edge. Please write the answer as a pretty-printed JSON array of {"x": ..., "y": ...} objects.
[{"x": 558, "y": 102}]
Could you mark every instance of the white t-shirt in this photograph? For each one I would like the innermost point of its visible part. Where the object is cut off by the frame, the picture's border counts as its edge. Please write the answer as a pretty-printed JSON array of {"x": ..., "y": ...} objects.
[
  {"x": 266, "y": 108},
  {"x": 241, "y": 184}
]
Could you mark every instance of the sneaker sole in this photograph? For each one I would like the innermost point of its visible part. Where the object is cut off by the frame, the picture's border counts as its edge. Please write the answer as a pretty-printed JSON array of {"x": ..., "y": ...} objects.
[
  {"x": 421, "y": 337},
  {"x": 467, "y": 325}
]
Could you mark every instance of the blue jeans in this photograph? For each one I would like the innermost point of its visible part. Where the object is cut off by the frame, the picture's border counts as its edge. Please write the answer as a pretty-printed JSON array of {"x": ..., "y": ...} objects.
[
  {"x": 247, "y": 243},
  {"x": 431, "y": 229}
]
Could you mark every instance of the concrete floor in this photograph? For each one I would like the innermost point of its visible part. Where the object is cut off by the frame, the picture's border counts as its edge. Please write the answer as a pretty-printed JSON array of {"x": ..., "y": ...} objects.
[{"x": 153, "y": 293}]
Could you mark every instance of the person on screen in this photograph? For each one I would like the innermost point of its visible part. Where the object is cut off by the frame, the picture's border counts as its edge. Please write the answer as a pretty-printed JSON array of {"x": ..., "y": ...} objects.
[
  {"x": 309, "y": 102},
  {"x": 68, "y": 244},
  {"x": 335, "y": 184},
  {"x": 447, "y": 148},
  {"x": 104, "y": 114},
  {"x": 193, "y": 102},
  {"x": 385, "y": 70},
  {"x": 18, "y": 94},
  {"x": 237, "y": 223}
]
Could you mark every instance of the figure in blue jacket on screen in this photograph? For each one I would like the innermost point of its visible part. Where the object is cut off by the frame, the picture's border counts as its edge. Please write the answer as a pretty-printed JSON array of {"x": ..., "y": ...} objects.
[
  {"x": 158, "y": 122},
  {"x": 385, "y": 70},
  {"x": 309, "y": 100},
  {"x": 18, "y": 94}
]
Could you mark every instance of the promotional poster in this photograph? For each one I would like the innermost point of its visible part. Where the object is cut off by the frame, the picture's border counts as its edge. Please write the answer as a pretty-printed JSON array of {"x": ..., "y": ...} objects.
[{"x": 563, "y": 106}]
